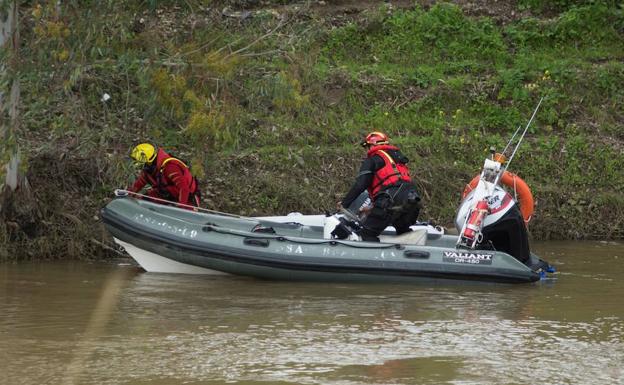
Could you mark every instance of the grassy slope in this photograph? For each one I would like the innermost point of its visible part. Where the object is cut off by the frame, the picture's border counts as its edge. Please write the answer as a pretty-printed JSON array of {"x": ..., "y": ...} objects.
[{"x": 268, "y": 105}]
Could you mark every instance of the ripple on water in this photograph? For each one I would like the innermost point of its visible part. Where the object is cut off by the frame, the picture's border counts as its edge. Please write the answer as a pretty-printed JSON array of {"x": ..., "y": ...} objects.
[{"x": 477, "y": 352}]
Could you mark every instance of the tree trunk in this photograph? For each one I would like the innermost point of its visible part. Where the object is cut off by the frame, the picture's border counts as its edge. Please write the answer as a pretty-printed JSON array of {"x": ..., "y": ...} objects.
[
  {"x": 9, "y": 101},
  {"x": 19, "y": 213}
]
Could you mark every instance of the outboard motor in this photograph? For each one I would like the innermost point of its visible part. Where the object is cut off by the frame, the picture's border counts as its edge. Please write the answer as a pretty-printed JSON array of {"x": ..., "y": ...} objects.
[
  {"x": 489, "y": 218},
  {"x": 493, "y": 222}
]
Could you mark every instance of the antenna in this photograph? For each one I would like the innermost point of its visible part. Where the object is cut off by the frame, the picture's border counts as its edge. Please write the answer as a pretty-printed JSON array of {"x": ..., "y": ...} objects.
[
  {"x": 525, "y": 131},
  {"x": 512, "y": 138},
  {"x": 500, "y": 174}
]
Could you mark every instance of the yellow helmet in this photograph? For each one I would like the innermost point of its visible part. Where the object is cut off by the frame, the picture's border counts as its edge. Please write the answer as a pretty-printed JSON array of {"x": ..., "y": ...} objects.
[{"x": 143, "y": 153}]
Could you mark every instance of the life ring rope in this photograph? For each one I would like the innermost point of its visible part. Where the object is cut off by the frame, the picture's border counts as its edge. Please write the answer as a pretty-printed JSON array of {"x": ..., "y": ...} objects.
[{"x": 522, "y": 192}]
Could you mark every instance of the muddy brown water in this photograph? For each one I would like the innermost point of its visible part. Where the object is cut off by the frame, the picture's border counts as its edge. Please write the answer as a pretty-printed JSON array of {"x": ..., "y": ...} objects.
[{"x": 109, "y": 323}]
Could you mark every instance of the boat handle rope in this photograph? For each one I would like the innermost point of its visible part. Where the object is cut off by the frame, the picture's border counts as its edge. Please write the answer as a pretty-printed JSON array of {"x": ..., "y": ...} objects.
[
  {"x": 281, "y": 238},
  {"x": 124, "y": 193},
  {"x": 333, "y": 242}
]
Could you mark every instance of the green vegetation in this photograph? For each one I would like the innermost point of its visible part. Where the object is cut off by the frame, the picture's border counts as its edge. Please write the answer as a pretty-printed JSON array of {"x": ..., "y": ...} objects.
[{"x": 269, "y": 101}]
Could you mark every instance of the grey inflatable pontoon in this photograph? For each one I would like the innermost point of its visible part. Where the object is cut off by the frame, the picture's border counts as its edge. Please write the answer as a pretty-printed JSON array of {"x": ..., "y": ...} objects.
[{"x": 167, "y": 239}]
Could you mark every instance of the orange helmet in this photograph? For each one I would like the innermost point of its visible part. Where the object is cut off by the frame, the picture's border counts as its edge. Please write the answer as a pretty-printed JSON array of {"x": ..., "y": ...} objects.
[{"x": 375, "y": 139}]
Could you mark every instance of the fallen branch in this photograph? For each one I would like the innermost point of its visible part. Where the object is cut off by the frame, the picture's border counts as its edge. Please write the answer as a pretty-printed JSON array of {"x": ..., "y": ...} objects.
[
  {"x": 107, "y": 247},
  {"x": 271, "y": 32}
]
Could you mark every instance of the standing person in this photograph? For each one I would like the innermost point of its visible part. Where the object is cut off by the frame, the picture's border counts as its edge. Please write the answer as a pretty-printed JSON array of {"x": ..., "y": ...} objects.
[
  {"x": 169, "y": 177},
  {"x": 394, "y": 198}
]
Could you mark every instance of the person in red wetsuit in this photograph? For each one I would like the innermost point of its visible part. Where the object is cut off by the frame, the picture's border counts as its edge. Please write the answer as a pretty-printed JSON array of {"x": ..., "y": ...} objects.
[
  {"x": 169, "y": 177},
  {"x": 384, "y": 173}
]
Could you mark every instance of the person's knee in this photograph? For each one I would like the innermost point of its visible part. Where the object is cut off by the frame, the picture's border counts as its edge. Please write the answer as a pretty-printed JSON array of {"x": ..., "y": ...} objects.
[
  {"x": 415, "y": 212},
  {"x": 402, "y": 223},
  {"x": 370, "y": 230},
  {"x": 368, "y": 236}
]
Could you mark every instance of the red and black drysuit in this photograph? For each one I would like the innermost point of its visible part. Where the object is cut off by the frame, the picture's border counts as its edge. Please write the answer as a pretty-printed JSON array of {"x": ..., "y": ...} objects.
[
  {"x": 170, "y": 179},
  {"x": 395, "y": 200}
]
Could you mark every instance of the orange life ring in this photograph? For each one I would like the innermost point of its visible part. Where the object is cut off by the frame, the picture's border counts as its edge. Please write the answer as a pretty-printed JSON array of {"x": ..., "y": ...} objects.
[{"x": 514, "y": 182}]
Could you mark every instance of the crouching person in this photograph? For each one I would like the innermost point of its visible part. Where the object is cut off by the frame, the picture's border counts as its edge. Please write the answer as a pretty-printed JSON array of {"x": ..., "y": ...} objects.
[
  {"x": 385, "y": 174},
  {"x": 169, "y": 178}
]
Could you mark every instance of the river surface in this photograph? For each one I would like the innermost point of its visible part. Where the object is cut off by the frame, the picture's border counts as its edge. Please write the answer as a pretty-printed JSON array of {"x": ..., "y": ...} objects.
[{"x": 110, "y": 323}]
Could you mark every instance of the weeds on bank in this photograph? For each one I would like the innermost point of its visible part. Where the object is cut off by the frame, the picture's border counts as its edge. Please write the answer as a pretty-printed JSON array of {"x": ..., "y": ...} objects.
[{"x": 283, "y": 99}]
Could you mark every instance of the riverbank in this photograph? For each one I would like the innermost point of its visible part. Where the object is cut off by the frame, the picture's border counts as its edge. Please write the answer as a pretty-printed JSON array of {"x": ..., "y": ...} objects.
[{"x": 267, "y": 101}]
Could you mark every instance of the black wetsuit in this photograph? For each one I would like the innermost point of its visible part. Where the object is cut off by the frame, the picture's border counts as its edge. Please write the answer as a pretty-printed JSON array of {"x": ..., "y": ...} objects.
[{"x": 397, "y": 204}]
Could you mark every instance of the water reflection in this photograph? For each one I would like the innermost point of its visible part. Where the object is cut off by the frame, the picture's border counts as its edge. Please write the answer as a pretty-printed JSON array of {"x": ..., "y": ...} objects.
[
  {"x": 142, "y": 328},
  {"x": 96, "y": 327}
]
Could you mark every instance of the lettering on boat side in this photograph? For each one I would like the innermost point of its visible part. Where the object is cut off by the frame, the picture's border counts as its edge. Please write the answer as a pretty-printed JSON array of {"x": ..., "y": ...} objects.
[
  {"x": 383, "y": 255},
  {"x": 471, "y": 258},
  {"x": 173, "y": 229},
  {"x": 336, "y": 252},
  {"x": 293, "y": 249}
]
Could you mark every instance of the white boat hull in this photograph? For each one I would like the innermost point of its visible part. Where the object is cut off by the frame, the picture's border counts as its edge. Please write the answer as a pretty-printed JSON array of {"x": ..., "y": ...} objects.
[{"x": 155, "y": 263}]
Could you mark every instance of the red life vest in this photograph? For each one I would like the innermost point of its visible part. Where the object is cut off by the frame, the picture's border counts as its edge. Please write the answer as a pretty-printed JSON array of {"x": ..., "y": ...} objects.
[
  {"x": 181, "y": 190},
  {"x": 390, "y": 174}
]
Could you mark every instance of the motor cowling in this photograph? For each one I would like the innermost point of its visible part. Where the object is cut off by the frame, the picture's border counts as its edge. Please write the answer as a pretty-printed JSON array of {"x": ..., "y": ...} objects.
[
  {"x": 501, "y": 225},
  {"x": 499, "y": 203}
]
